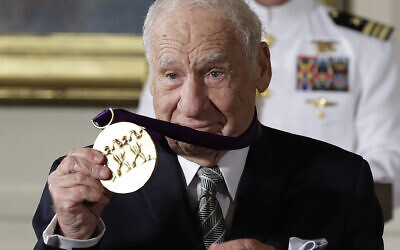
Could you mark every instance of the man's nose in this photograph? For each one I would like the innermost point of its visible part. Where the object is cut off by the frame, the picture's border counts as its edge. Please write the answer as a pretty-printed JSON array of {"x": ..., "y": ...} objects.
[{"x": 193, "y": 100}]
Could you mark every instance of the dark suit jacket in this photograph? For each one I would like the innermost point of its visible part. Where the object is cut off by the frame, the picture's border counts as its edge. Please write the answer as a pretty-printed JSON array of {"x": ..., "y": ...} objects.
[{"x": 291, "y": 186}]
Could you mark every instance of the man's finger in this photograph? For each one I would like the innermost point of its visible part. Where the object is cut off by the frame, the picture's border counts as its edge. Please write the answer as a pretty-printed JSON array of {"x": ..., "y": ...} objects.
[
  {"x": 242, "y": 244},
  {"x": 78, "y": 194},
  {"x": 229, "y": 245},
  {"x": 72, "y": 164},
  {"x": 89, "y": 154},
  {"x": 79, "y": 178}
]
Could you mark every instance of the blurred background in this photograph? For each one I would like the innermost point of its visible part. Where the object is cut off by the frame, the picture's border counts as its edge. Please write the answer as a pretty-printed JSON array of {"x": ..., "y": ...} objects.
[{"x": 61, "y": 63}]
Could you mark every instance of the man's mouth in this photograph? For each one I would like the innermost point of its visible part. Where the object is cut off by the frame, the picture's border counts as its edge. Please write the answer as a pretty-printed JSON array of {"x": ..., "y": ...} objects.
[{"x": 200, "y": 127}]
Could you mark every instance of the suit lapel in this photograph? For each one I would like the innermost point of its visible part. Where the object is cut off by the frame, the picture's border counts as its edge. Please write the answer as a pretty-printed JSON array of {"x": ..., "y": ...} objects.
[
  {"x": 259, "y": 194},
  {"x": 167, "y": 199}
]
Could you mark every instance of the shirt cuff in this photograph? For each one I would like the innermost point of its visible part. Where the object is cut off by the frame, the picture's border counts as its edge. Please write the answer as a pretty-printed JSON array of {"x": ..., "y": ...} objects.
[
  {"x": 300, "y": 244},
  {"x": 56, "y": 240}
]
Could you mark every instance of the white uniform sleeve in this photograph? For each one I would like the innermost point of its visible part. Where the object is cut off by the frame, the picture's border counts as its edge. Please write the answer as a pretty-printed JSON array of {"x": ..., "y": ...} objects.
[
  {"x": 145, "y": 106},
  {"x": 378, "y": 112},
  {"x": 55, "y": 240}
]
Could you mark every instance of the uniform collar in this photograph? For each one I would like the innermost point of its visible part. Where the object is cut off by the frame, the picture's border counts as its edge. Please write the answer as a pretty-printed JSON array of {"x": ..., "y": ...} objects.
[
  {"x": 279, "y": 16},
  {"x": 231, "y": 166}
]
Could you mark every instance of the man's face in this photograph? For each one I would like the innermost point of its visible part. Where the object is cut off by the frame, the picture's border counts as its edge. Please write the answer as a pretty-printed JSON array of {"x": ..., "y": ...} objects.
[{"x": 200, "y": 75}]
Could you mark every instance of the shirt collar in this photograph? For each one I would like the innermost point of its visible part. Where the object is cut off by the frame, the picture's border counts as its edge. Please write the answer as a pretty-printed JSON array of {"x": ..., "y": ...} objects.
[
  {"x": 231, "y": 166},
  {"x": 280, "y": 16}
]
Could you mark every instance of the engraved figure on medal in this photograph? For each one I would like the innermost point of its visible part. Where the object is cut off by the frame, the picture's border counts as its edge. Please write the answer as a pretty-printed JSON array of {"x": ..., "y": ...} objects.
[{"x": 130, "y": 155}]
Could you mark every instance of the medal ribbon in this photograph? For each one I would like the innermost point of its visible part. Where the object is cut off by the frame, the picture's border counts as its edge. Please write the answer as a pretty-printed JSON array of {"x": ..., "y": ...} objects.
[{"x": 158, "y": 128}]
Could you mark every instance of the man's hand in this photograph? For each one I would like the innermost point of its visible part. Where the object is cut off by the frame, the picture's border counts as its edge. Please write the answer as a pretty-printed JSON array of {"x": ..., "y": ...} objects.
[
  {"x": 242, "y": 244},
  {"x": 78, "y": 196}
]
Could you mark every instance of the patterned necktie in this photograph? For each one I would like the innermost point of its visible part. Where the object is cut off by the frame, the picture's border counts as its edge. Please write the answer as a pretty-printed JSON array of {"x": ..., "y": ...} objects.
[{"x": 210, "y": 213}]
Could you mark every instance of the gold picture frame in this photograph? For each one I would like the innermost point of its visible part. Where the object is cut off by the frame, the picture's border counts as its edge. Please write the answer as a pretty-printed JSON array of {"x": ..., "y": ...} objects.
[
  {"x": 339, "y": 4},
  {"x": 64, "y": 68}
]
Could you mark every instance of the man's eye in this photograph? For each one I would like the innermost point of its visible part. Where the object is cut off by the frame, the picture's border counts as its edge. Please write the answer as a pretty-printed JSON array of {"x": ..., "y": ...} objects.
[
  {"x": 172, "y": 76},
  {"x": 216, "y": 74}
]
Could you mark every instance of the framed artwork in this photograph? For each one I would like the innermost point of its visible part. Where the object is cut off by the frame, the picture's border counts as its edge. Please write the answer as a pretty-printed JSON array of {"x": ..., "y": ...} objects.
[{"x": 72, "y": 52}]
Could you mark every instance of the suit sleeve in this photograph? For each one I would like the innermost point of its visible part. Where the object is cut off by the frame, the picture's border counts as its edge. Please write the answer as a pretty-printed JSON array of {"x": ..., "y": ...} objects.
[
  {"x": 365, "y": 227},
  {"x": 44, "y": 213}
]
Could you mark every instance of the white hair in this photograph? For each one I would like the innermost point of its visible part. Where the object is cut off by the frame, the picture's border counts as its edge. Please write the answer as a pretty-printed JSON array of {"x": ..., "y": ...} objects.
[{"x": 237, "y": 11}]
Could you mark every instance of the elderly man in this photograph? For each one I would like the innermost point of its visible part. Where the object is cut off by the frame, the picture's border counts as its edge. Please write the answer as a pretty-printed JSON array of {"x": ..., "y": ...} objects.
[{"x": 283, "y": 191}]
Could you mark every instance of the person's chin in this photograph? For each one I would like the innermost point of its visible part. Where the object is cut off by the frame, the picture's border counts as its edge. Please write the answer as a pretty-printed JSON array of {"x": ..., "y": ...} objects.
[{"x": 186, "y": 149}]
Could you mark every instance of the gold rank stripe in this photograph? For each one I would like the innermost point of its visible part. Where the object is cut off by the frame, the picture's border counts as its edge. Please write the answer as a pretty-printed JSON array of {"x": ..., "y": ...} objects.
[
  {"x": 377, "y": 30},
  {"x": 368, "y": 28},
  {"x": 385, "y": 32}
]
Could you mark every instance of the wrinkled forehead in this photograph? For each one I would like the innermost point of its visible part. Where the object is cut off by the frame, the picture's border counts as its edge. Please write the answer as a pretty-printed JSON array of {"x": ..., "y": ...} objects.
[{"x": 188, "y": 27}]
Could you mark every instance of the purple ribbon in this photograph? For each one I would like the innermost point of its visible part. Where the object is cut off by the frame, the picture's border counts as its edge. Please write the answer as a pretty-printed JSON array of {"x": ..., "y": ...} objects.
[{"x": 159, "y": 128}]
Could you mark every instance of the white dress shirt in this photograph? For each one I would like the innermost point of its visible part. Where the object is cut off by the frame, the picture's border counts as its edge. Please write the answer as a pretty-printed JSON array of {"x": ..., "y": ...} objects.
[{"x": 231, "y": 166}]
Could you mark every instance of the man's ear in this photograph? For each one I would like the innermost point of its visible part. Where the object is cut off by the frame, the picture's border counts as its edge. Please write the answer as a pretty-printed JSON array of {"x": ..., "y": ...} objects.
[{"x": 264, "y": 72}]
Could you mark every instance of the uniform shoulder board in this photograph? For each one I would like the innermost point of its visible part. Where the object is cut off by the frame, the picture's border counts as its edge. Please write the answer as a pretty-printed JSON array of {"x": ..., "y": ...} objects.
[{"x": 368, "y": 27}]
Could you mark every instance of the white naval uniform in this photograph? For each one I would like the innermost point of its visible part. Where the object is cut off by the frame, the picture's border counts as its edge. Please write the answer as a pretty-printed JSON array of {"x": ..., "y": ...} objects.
[{"x": 364, "y": 119}]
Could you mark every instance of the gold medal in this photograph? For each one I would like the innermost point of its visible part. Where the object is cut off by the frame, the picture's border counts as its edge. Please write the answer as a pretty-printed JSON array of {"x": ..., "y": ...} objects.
[{"x": 131, "y": 156}]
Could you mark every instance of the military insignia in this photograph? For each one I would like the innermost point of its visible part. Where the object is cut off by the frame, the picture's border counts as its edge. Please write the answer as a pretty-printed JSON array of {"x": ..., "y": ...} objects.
[
  {"x": 340, "y": 68},
  {"x": 325, "y": 46},
  {"x": 321, "y": 103},
  {"x": 322, "y": 73},
  {"x": 305, "y": 72},
  {"x": 368, "y": 27}
]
